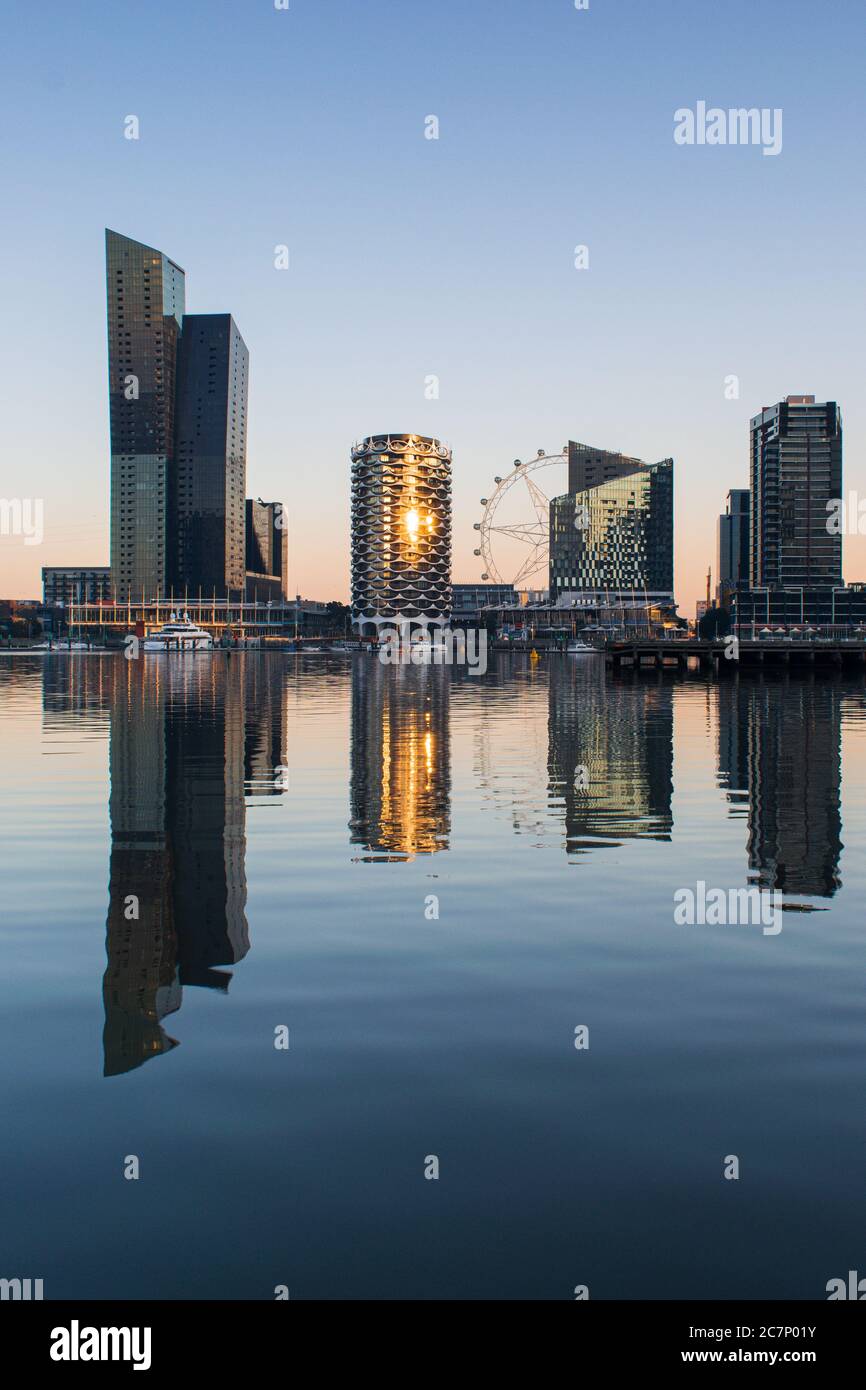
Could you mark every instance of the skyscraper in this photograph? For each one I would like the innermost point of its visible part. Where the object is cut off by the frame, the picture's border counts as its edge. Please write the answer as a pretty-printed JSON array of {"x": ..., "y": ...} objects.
[
  {"x": 145, "y": 293},
  {"x": 614, "y": 533},
  {"x": 588, "y": 466},
  {"x": 208, "y": 485},
  {"x": 796, "y": 469},
  {"x": 267, "y": 549},
  {"x": 401, "y": 532},
  {"x": 733, "y": 549}
]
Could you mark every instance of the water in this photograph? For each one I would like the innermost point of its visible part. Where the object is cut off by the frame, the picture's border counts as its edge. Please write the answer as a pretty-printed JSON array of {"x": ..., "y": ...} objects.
[{"x": 288, "y": 826}]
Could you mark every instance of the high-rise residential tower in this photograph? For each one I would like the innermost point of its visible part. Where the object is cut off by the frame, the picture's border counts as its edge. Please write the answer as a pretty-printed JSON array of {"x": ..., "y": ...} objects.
[
  {"x": 207, "y": 528},
  {"x": 796, "y": 469},
  {"x": 733, "y": 550},
  {"x": 614, "y": 534},
  {"x": 401, "y": 533},
  {"x": 145, "y": 313}
]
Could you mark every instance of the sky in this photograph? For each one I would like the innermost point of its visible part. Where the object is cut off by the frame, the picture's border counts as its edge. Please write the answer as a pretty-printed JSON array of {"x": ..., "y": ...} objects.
[{"x": 454, "y": 257}]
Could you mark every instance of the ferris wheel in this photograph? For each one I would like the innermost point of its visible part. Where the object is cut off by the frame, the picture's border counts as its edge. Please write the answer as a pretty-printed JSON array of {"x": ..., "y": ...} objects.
[{"x": 532, "y": 536}]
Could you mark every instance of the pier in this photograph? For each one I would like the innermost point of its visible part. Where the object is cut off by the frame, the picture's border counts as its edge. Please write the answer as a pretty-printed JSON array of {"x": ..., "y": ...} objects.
[{"x": 722, "y": 657}]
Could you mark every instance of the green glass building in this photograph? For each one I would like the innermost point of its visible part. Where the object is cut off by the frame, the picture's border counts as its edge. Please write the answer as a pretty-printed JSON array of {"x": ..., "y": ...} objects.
[{"x": 615, "y": 537}]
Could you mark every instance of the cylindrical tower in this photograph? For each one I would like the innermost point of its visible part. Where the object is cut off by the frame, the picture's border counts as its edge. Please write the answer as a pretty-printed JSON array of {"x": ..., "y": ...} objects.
[{"x": 401, "y": 533}]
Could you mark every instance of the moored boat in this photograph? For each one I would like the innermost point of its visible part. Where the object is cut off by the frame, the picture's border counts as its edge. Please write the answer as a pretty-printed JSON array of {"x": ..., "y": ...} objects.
[{"x": 178, "y": 635}]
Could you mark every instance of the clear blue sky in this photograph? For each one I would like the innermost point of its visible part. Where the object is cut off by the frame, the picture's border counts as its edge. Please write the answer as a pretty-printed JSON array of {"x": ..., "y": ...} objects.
[{"x": 412, "y": 257}]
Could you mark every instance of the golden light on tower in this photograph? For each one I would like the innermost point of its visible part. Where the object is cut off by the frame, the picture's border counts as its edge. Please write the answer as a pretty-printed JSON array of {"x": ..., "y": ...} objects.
[
  {"x": 400, "y": 784},
  {"x": 401, "y": 533}
]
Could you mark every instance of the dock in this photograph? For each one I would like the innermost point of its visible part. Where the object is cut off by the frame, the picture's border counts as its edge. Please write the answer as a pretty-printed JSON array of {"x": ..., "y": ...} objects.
[{"x": 722, "y": 657}]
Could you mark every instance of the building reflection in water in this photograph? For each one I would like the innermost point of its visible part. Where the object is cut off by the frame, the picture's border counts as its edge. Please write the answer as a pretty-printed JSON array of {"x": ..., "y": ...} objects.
[
  {"x": 780, "y": 763},
  {"x": 400, "y": 778},
  {"x": 195, "y": 743},
  {"x": 187, "y": 736},
  {"x": 610, "y": 761},
  {"x": 265, "y": 730}
]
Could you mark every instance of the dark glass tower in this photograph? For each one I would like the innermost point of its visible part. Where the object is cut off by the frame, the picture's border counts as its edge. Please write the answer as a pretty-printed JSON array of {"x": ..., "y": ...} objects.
[
  {"x": 796, "y": 469},
  {"x": 208, "y": 490},
  {"x": 267, "y": 543},
  {"x": 145, "y": 313}
]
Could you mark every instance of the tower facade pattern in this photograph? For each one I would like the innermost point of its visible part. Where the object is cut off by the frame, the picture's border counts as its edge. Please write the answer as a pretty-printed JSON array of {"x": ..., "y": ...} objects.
[{"x": 401, "y": 533}]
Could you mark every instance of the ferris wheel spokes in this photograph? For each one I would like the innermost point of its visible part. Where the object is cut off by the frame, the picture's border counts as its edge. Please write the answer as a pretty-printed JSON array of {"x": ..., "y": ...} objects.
[{"x": 533, "y": 534}]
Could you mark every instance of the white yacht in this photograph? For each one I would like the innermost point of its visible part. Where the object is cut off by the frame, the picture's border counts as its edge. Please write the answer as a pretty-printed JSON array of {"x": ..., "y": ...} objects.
[
  {"x": 178, "y": 635},
  {"x": 576, "y": 647}
]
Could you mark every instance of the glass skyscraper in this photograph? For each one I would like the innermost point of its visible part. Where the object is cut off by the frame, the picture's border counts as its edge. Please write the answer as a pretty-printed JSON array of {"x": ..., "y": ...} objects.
[
  {"x": 267, "y": 548},
  {"x": 207, "y": 491},
  {"x": 145, "y": 312},
  {"x": 614, "y": 533}
]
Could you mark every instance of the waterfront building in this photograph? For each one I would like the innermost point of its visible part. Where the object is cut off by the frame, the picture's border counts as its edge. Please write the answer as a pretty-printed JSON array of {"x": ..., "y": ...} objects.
[
  {"x": 615, "y": 534},
  {"x": 401, "y": 533},
  {"x": 64, "y": 586},
  {"x": 618, "y": 608},
  {"x": 842, "y": 606},
  {"x": 733, "y": 548},
  {"x": 267, "y": 549},
  {"x": 208, "y": 484},
  {"x": 590, "y": 467},
  {"x": 796, "y": 469},
  {"x": 145, "y": 293},
  {"x": 470, "y": 600}
]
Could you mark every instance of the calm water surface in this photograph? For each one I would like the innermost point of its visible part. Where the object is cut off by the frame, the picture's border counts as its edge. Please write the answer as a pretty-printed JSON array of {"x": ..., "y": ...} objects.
[{"x": 289, "y": 827}]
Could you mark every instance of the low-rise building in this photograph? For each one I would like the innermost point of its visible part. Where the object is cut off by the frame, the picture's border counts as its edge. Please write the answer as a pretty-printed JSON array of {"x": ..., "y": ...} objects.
[
  {"x": 63, "y": 585},
  {"x": 841, "y": 606}
]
